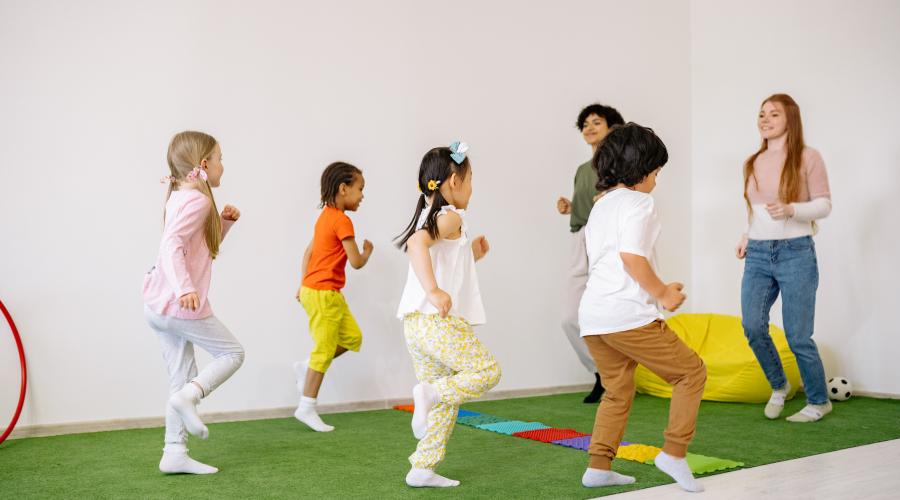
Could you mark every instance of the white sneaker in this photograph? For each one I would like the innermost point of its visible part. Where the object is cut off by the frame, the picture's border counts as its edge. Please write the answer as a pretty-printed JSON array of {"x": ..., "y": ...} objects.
[
  {"x": 776, "y": 402},
  {"x": 811, "y": 413}
]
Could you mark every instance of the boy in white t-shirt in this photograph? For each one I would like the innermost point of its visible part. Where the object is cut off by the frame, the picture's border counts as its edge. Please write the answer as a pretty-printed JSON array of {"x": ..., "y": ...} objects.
[{"x": 619, "y": 312}]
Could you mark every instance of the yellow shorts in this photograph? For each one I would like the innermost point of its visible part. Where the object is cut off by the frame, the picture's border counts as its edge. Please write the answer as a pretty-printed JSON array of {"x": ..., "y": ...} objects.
[{"x": 331, "y": 324}]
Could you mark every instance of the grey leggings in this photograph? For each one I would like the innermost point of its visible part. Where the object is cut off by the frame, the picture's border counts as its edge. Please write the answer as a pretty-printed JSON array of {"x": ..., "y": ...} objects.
[{"x": 177, "y": 338}]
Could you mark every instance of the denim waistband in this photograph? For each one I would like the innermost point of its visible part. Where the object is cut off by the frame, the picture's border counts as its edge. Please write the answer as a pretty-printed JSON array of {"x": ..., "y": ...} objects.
[{"x": 808, "y": 240}]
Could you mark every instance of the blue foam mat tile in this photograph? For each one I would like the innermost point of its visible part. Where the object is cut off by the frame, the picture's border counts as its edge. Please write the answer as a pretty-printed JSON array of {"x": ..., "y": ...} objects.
[{"x": 512, "y": 426}]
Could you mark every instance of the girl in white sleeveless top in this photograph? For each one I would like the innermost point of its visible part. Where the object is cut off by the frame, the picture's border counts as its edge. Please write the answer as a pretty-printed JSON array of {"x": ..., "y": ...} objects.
[{"x": 440, "y": 304}]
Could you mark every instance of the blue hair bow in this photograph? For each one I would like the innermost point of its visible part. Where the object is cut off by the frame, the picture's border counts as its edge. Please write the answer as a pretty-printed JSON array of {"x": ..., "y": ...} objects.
[{"x": 458, "y": 152}]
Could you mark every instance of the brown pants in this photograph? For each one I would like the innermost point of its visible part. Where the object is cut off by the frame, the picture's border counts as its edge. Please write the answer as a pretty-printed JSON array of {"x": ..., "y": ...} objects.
[{"x": 661, "y": 351}]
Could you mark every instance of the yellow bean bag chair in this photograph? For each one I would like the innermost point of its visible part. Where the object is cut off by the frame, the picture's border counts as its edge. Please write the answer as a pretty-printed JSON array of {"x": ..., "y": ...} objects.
[{"x": 732, "y": 372}]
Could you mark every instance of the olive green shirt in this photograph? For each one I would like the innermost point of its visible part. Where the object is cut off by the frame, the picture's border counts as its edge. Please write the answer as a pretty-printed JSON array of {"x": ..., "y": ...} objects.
[{"x": 583, "y": 197}]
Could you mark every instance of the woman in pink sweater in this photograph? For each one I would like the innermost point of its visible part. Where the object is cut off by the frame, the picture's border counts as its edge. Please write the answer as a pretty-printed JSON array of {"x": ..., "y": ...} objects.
[
  {"x": 175, "y": 293},
  {"x": 786, "y": 190}
]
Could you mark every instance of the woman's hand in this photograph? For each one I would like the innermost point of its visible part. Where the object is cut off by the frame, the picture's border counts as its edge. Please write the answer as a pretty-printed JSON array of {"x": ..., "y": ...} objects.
[
  {"x": 190, "y": 301},
  {"x": 440, "y": 300},
  {"x": 780, "y": 211},
  {"x": 231, "y": 213},
  {"x": 564, "y": 205},
  {"x": 741, "y": 249}
]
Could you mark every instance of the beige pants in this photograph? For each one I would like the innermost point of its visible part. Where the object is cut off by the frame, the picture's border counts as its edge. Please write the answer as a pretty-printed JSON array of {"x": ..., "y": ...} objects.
[
  {"x": 576, "y": 279},
  {"x": 658, "y": 348}
]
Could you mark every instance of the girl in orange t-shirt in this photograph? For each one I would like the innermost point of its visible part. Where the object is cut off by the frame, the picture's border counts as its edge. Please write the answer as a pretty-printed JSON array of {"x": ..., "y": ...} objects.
[{"x": 331, "y": 324}]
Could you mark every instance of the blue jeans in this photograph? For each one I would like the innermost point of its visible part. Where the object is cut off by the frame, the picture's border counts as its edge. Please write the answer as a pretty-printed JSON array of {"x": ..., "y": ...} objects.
[{"x": 790, "y": 267}]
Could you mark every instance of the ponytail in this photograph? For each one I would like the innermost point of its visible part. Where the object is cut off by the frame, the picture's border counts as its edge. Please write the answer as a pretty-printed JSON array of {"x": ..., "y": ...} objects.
[
  {"x": 401, "y": 239},
  {"x": 436, "y": 168}
]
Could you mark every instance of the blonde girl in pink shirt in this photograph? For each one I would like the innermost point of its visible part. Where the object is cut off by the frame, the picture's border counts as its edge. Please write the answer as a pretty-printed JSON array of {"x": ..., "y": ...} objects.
[{"x": 175, "y": 293}]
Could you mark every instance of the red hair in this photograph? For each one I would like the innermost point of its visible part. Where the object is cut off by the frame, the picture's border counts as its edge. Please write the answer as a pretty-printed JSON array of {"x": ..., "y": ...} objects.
[{"x": 789, "y": 187}]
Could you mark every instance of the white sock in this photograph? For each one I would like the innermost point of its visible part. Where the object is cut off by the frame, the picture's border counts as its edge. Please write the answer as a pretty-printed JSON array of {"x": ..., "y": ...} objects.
[
  {"x": 306, "y": 413},
  {"x": 425, "y": 396},
  {"x": 593, "y": 478},
  {"x": 427, "y": 478},
  {"x": 811, "y": 413},
  {"x": 776, "y": 402},
  {"x": 678, "y": 469},
  {"x": 184, "y": 402},
  {"x": 175, "y": 460}
]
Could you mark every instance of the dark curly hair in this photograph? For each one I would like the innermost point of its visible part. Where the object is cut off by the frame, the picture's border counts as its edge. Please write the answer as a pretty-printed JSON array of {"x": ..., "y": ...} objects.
[
  {"x": 437, "y": 165},
  {"x": 608, "y": 113},
  {"x": 627, "y": 155},
  {"x": 334, "y": 175}
]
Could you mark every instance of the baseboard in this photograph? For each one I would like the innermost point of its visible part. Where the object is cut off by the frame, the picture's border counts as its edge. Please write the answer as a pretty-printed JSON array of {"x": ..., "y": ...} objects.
[
  {"x": 877, "y": 395},
  {"x": 243, "y": 415}
]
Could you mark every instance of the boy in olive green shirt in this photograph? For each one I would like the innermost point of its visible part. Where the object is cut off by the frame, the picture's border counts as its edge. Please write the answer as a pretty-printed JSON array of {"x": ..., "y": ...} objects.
[{"x": 594, "y": 123}]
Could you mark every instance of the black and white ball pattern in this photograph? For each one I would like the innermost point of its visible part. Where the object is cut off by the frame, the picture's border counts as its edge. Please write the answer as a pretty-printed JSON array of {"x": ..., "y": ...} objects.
[{"x": 839, "y": 389}]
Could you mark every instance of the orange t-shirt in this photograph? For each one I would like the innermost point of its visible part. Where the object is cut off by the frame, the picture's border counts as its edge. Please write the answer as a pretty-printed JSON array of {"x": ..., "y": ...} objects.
[{"x": 325, "y": 270}]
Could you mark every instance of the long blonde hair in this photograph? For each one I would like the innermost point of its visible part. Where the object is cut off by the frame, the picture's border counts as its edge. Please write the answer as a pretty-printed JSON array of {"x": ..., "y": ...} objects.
[
  {"x": 789, "y": 185},
  {"x": 186, "y": 150}
]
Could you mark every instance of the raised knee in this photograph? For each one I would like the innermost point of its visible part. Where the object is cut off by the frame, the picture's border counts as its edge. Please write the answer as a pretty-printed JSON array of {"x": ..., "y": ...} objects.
[
  {"x": 693, "y": 377},
  {"x": 237, "y": 357},
  {"x": 700, "y": 374},
  {"x": 493, "y": 374}
]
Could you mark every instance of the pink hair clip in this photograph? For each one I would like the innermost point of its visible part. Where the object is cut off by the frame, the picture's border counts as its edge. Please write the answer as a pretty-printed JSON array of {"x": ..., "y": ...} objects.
[{"x": 196, "y": 172}]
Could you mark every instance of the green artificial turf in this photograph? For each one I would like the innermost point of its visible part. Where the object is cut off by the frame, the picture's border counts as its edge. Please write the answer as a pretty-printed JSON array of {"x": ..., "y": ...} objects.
[{"x": 365, "y": 457}]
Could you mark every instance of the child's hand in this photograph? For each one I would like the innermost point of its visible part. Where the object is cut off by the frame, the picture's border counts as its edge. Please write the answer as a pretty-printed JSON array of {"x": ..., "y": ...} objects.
[
  {"x": 780, "y": 211},
  {"x": 367, "y": 248},
  {"x": 672, "y": 298},
  {"x": 480, "y": 247},
  {"x": 190, "y": 301},
  {"x": 441, "y": 300},
  {"x": 564, "y": 205},
  {"x": 231, "y": 213},
  {"x": 741, "y": 249}
]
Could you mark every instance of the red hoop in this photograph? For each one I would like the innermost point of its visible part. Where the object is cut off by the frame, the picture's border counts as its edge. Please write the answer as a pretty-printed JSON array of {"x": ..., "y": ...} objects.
[{"x": 15, "y": 333}]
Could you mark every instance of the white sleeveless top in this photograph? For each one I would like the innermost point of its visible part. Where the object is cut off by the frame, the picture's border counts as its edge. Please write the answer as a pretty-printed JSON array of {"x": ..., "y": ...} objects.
[{"x": 454, "y": 270}]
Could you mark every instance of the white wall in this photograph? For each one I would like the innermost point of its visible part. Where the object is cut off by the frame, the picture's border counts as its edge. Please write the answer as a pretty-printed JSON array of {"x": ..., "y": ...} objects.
[
  {"x": 91, "y": 92},
  {"x": 839, "y": 61}
]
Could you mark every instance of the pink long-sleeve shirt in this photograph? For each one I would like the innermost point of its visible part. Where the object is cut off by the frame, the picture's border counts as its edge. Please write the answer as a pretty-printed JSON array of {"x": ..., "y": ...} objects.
[
  {"x": 184, "y": 264},
  {"x": 762, "y": 188}
]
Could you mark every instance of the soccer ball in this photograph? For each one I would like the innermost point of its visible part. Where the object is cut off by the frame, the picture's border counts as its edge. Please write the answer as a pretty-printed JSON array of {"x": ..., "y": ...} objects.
[{"x": 839, "y": 389}]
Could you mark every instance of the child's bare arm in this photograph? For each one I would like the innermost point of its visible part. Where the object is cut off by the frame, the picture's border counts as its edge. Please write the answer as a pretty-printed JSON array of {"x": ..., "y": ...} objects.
[
  {"x": 669, "y": 295},
  {"x": 357, "y": 260},
  {"x": 417, "y": 248},
  {"x": 480, "y": 247},
  {"x": 306, "y": 256},
  {"x": 304, "y": 266}
]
